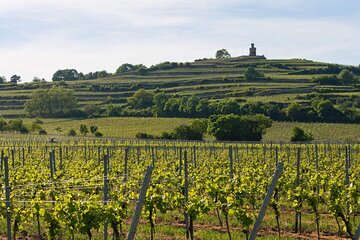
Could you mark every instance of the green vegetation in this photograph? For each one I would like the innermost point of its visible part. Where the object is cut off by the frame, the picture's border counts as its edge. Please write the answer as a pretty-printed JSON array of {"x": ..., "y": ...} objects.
[
  {"x": 220, "y": 187},
  {"x": 214, "y": 80},
  {"x": 55, "y": 102},
  {"x": 233, "y": 127},
  {"x": 299, "y": 135}
]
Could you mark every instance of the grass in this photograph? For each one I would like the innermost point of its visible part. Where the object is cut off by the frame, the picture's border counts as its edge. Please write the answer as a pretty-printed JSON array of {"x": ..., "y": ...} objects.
[{"x": 127, "y": 127}]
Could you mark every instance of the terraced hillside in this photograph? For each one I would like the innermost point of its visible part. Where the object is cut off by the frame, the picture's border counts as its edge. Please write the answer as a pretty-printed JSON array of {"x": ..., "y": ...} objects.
[{"x": 285, "y": 81}]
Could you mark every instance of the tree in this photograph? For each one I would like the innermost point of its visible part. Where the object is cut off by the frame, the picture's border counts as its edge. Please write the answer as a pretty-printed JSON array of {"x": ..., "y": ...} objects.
[
  {"x": 328, "y": 112},
  {"x": 127, "y": 67},
  {"x": 186, "y": 132},
  {"x": 93, "y": 129},
  {"x": 299, "y": 135},
  {"x": 3, "y": 124},
  {"x": 347, "y": 77},
  {"x": 141, "y": 99},
  {"x": 55, "y": 102},
  {"x": 37, "y": 79},
  {"x": 15, "y": 79},
  {"x": 17, "y": 125},
  {"x": 67, "y": 75},
  {"x": 252, "y": 74},
  {"x": 238, "y": 128},
  {"x": 159, "y": 104},
  {"x": 2, "y": 79},
  {"x": 222, "y": 53},
  {"x": 83, "y": 129}
]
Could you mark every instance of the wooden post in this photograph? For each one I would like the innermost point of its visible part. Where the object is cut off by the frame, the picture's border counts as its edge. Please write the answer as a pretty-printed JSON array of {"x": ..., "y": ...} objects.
[
  {"x": 7, "y": 193},
  {"x": 266, "y": 202},
  {"x": 186, "y": 193},
  {"x": 140, "y": 203},
  {"x": 231, "y": 162},
  {"x": 106, "y": 159}
]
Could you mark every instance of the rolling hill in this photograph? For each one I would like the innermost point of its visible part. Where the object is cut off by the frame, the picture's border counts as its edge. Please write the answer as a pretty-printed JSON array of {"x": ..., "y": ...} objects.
[{"x": 285, "y": 81}]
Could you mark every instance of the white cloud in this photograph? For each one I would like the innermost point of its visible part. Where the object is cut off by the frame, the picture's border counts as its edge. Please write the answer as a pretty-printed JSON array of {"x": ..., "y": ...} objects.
[{"x": 95, "y": 35}]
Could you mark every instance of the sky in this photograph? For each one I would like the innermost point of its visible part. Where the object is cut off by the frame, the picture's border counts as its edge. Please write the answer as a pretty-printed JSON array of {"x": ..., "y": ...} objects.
[{"x": 39, "y": 37}]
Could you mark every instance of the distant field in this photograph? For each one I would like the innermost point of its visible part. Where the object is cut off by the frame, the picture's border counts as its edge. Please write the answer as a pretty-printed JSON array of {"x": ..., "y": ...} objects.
[{"x": 128, "y": 127}]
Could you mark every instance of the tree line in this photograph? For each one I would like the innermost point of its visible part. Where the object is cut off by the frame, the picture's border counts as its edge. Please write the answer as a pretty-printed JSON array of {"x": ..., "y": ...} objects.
[{"x": 59, "y": 102}]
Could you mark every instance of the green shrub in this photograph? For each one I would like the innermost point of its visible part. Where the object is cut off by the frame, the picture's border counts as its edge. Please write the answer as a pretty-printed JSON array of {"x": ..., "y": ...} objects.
[
  {"x": 299, "y": 135},
  {"x": 98, "y": 134},
  {"x": 72, "y": 132},
  {"x": 17, "y": 125},
  {"x": 141, "y": 135},
  {"x": 42, "y": 132},
  {"x": 233, "y": 127}
]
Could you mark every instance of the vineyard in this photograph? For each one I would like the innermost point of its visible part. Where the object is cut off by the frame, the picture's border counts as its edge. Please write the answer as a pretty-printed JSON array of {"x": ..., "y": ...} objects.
[{"x": 99, "y": 189}]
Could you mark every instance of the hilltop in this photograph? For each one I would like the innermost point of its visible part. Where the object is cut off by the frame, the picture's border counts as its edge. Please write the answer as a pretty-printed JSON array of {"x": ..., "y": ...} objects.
[{"x": 284, "y": 81}]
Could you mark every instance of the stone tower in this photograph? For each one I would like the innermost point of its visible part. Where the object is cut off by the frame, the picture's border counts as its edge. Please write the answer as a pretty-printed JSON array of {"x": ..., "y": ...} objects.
[{"x": 252, "y": 50}]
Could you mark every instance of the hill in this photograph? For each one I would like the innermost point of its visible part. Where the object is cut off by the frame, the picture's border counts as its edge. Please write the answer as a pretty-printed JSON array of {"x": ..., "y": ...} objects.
[{"x": 284, "y": 81}]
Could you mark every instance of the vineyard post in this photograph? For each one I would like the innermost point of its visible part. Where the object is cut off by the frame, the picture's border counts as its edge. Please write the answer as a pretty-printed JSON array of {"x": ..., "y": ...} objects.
[
  {"x": 186, "y": 193},
  {"x": 7, "y": 193},
  {"x": 60, "y": 157},
  {"x": 180, "y": 161},
  {"x": 298, "y": 214},
  {"x": 126, "y": 164},
  {"x": 347, "y": 181},
  {"x": 98, "y": 155},
  {"x": 106, "y": 159},
  {"x": 2, "y": 160},
  {"x": 266, "y": 202},
  {"x": 23, "y": 156},
  {"x": 13, "y": 158},
  {"x": 138, "y": 154},
  {"x": 264, "y": 152},
  {"x": 194, "y": 152},
  {"x": 152, "y": 156},
  {"x": 51, "y": 166},
  {"x": 54, "y": 160},
  {"x": 357, "y": 233},
  {"x": 140, "y": 203},
  {"x": 231, "y": 162}
]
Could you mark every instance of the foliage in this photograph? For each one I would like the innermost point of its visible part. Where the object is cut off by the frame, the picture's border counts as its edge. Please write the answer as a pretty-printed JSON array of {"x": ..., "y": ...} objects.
[
  {"x": 3, "y": 124},
  {"x": 141, "y": 135},
  {"x": 127, "y": 67},
  {"x": 83, "y": 129},
  {"x": 17, "y": 125},
  {"x": 71, "y": 132},
  {"x": 252, "y": 74},
  {"x": 222, "y": 53},
  {"x": 141, "y": 99},
  {"x": 299, "y": 135},
  {"x": 238, "y": 128},
  {"x": 67, "y": 75},
  {"x": 55, "y": 102}
]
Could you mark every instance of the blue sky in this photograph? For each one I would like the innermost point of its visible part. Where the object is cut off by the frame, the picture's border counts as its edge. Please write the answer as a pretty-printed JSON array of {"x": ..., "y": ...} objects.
[{"x": 39, "y": 37}]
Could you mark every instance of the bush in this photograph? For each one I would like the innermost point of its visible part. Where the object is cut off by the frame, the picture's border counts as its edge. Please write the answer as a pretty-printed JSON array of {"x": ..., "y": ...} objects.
[
  {"x": 141, "y": 135},
  {"x": 42, "y": 132},
  {"x": 17, "y": 125},
  {"x": 186, "y": 132},
  {"x": 83, "y": 129},
  {"x": 38, "y": 121},
  {"x": 93, "y": 129},
  {"x": 71, "y": 132},
  {"x": 3, "y": 125},
  {"x": 299, "y": 135},
  {"x": 233, "y": 127},
  {"x": 98, "y": 134}
]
